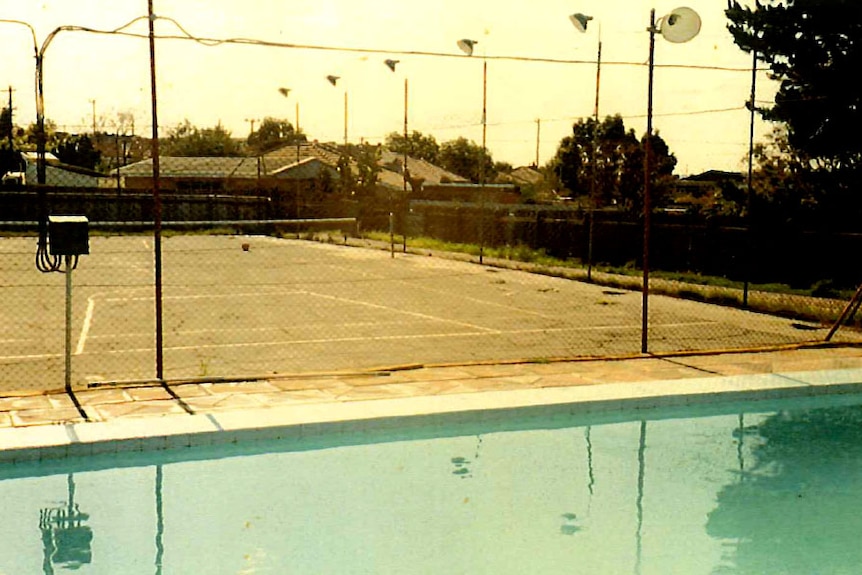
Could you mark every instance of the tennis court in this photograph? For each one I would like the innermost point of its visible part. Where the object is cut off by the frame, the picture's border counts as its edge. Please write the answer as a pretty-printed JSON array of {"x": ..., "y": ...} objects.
[{"x": 243, "y": 306}]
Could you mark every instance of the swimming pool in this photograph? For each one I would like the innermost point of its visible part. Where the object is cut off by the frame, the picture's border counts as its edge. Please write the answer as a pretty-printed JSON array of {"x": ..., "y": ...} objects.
[{"x": 766, "y": 487}]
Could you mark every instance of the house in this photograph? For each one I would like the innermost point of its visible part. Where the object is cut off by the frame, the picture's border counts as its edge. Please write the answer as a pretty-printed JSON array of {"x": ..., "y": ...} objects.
[
  {"x": 530, "y": 182},
  {"x": 196, "y": 175},
  {"x": 390, "y": 178},
  {"x": 61, "y": 175},
  {"x": 283, "y": 168},
  {"x": 309, "y": 168},
  {"x": 705, "y": 190},
  {"x": 420, "y": 173},
  {"x": 525, "y": 176},
  {"x": 278, "y": 158}
]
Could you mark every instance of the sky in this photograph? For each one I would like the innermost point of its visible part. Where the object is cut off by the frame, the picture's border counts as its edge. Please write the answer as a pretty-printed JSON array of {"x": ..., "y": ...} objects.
[{"x": 541, "y": 72}]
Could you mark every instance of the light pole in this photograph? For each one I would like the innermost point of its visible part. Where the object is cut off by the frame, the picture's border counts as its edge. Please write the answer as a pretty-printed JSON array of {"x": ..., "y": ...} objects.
[
  {"x": 750, "y": 194},
  {"x": 580, "y": 22},
  {"x": 286, "y": 92},
  {"x": 679, "y": 26},
  {"x": 466, "y": 46},
  {"x": 40, "y": 172},
  {"x": 297, "y": 188},
  {"x": 334, "y": 81},
  {"x": 157, "y": 199},
  {"x": 44, "y": 261},
  {"x": 391, "y": 65}
]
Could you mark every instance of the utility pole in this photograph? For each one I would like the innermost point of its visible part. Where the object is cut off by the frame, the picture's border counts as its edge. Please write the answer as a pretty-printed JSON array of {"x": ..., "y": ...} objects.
[
  {"x": 93, "y": 102},
  {"x": 538, "y": 132},
  {"x": 11, "y": 124}
]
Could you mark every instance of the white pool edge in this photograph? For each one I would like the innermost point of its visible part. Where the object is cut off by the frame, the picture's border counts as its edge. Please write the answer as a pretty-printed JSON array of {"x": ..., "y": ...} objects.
[{"x": 35, "y": 443}]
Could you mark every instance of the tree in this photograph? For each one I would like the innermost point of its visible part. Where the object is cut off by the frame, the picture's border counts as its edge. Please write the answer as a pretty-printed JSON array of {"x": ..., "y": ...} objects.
[
  {"x": 78, "y": 151},
  {"x": 190, "y": 141},
  {"x": 814, "y": 49},
  {"x": 345, "y": 175},
  {"x": 367, "y": 167},
  {"x": 30, "y": 137},
  {"x": 272, "y": 134},
  {"x": 806, "y": 465},
  {"x": 7, "y": 129},
  {"x": 9, "y": 158},
  {"x": 416, "y": 145},
  {"x": 617, "y": 165},
  {"x": 468, "y": 160}
]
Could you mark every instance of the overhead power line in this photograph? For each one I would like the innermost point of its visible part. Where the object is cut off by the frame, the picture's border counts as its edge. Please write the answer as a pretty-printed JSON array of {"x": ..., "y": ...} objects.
[{"x": 208, "y": 41}]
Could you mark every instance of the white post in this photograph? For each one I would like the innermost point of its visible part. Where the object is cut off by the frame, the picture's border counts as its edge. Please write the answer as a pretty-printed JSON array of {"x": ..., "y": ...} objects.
[{"x": 68, "y": 323}]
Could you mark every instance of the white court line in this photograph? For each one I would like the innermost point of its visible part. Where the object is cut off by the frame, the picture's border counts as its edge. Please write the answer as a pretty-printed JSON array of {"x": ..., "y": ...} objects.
[
  {"x": 85, "y": 328},
  {"x": 207, "y": 296},
  {"x": 242, "y": 330},
  {"x": 396, "y": 310},
  {"x": 31, "y": 356},
  {"x": 481, "y": 301},
  {"x": 314, "y": 341}
]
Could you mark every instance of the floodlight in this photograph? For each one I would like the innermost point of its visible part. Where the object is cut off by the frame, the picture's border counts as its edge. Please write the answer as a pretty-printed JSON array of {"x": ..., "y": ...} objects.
[
  {"x": 333, "y": 79},
  {"x": 580, "y": 21},
  {"x": 391, "y": 63},
  {"x": 467, "y": 45},
  {"x": 680, "y": 25},
  {"x": 284, "y": 91}
]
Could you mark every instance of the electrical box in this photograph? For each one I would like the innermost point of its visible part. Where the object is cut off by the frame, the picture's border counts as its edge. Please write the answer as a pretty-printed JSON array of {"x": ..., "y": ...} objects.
[{"x": 68, "y": 235}]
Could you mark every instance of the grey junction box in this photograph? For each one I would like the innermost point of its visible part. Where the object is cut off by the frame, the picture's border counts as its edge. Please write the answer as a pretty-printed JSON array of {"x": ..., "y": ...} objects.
[{"x": 68, "y": 235}]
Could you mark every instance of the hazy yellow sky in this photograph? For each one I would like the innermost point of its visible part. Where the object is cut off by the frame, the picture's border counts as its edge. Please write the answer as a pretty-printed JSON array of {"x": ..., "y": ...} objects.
[{"x": 700, "y": 112}]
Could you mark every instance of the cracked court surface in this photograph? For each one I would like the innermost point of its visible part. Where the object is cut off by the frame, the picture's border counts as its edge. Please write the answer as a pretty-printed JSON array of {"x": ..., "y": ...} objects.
[{"x": 287, "y": 306}]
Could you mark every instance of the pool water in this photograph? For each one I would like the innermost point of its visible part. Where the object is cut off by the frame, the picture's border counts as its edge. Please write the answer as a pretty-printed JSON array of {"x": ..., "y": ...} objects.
[{"x": 740, "y": 490}]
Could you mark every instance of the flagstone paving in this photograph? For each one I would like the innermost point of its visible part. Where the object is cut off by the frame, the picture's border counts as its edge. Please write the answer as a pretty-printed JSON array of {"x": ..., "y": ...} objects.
[{"x": 175, "y": 400}]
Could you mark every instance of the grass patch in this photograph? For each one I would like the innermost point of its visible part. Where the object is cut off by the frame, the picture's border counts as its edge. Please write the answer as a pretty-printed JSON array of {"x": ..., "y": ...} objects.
[{"x": 816, "y": 303}]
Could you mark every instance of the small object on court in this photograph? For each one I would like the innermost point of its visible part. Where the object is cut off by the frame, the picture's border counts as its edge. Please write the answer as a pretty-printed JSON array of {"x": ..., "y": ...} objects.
[{"x": 245, "y": 247}]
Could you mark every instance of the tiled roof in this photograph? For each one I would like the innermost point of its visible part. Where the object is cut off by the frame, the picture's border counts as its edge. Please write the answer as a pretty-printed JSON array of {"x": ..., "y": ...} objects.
[
  {"x": 306, "y": 169},
  {"x": 393, "y": 180},
  {"x": 391, "y": 163},
  {"x": 184, "y": 167},
  {"x": 429, "y": 173},
  {"x": 277, "y": 159},
  {"x": 525, "y": 176},
  {"x": 292, "y": 161}
]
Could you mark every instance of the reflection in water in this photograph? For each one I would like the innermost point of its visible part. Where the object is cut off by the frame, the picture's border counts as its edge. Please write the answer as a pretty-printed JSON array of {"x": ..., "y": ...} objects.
[
  {"x": 462, "y": 464},
  {"x": 590, "y": 474},
  {"x": 65, "y": 539},
  {"x": 640, "y": 498},
  {"x": 570, "y": 524},
  {"x": 765, "y": 492},
  {"x": 160, "y": 521},
  {"x": 795, "y": 509}
]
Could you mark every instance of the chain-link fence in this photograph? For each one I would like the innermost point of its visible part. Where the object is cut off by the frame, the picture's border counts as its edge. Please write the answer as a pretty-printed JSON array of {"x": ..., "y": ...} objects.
[
  {"x": 260, "y": 276},
  {"x": 263, "y": 268}
]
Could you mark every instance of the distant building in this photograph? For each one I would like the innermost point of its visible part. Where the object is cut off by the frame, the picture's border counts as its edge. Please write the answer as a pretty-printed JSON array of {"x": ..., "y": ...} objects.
[
  {"x": 196, "y": 175},
  {"x": 703, "y": 191},
  {"x": 59, "y": 174},
  {"x": 309, "y": 162}
]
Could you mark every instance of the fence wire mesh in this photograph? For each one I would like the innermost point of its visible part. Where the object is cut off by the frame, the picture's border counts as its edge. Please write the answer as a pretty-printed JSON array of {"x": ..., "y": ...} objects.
[{"x": 267, "y": 266}]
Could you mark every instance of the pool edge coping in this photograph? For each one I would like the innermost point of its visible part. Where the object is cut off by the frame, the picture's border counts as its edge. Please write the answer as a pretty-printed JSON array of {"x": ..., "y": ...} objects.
[{"x": 59, "y": 441}]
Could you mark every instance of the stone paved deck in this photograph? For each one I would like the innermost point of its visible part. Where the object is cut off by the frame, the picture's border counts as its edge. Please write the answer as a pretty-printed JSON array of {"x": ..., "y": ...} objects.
[{"x": 138, "y": 401}]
